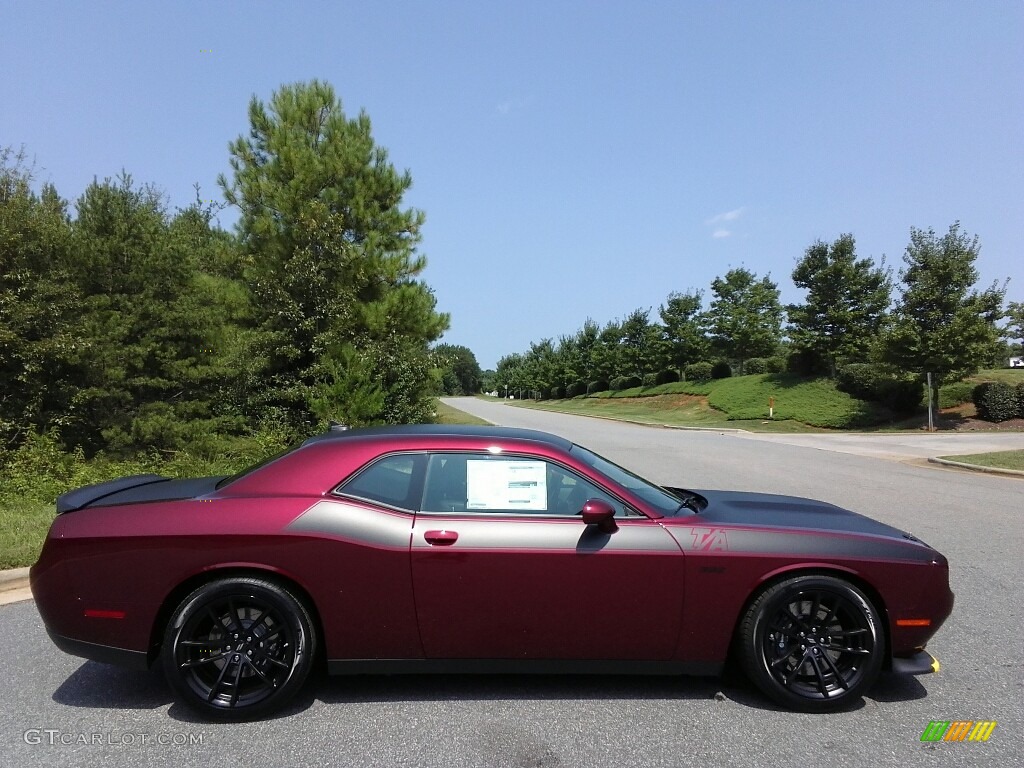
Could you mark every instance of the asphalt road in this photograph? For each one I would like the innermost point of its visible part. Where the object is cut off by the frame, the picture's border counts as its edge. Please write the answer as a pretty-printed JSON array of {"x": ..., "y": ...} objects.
[{"x": 57, "y": 710}]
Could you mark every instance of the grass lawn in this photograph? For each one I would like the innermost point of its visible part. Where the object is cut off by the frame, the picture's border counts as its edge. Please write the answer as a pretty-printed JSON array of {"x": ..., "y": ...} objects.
[
  {"x": 801, "y": 405},
  {"x": 1000, "y": 459},
  {"x": 24, "y": 525},
  {"x": 678, "y": 410},
  {"x": 445, "y": 414},
  {"x": 1008, "y": 375}
]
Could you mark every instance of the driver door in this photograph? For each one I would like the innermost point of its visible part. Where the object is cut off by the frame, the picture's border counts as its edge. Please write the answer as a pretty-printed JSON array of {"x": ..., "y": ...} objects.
[{"x": 504, "y": 568}]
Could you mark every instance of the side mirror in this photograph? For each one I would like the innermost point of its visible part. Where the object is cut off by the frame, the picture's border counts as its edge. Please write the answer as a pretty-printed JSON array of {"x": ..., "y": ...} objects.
[{"x": 600, "y": 513}]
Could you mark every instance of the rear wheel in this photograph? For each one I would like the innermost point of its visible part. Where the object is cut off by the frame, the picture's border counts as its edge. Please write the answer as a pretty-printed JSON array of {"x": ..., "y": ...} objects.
[
  {"x": 812, "y": 643},
  {"x": 238, "y": 648}
]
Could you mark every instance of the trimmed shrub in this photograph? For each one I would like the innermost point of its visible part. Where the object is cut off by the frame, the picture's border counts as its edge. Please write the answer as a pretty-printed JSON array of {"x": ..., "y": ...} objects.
[
  {"x": 698, "y": 371},
  {"x": 957, "y": 393},
  {"x": 860, "y": 380},
  {"x": 576, "y": 389},
  {"x": 597, "y": 386},
  {"x": 557, "y": 393},
  {"x": 625, "y": 382},
  {"x": 776, "y": 364},
  {"x": 650, "y": 379},
  {"x": 666, "y": 376},
  {"x": 756, "y": 365},
  {"x": 806, "y": 362},
  {"x": 901, "y": 396},
  {"x": 995, "y": 400},
  {"x": 721, "y": 370},
  {"x": 1020, "y": 400}
]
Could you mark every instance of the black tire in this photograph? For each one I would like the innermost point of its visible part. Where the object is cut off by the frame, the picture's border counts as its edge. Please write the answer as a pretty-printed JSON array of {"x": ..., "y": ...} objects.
[
  {"x": 812, "y": 643},
  {"x": 239, "y": 648}
]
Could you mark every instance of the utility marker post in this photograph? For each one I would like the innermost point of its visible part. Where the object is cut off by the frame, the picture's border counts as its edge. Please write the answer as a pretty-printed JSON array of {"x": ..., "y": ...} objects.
[{"x": 931, "y": 419}]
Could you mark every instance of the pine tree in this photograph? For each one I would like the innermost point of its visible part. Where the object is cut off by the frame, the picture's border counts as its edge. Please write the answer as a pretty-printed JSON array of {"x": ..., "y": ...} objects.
[{"x": 330, "y": 256}]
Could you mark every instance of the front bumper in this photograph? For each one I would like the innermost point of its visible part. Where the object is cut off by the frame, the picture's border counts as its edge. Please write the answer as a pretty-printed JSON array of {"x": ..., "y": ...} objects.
[{"x": 921, "y": 663}]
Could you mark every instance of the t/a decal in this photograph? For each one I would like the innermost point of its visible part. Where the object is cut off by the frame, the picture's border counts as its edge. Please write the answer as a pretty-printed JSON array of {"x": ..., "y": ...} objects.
[{"x": 708, "y": 539}]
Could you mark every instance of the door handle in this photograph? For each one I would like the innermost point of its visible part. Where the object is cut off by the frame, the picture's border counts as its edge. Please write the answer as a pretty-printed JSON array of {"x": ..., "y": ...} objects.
[{"x": 441, "y": 538}]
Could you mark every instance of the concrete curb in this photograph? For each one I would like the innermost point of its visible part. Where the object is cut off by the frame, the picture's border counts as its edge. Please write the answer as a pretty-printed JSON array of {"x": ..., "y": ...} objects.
[
  {"x": 976, "y": 467},
  {"x": 734, "y": 430},
  {"x": 11, "y": 582}
]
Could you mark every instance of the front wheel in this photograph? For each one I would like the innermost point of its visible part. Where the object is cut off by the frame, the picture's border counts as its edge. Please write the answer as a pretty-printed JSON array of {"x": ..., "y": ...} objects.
[
  {"x": 812, "y": 643},
  {"x": 238, "y": 648}
]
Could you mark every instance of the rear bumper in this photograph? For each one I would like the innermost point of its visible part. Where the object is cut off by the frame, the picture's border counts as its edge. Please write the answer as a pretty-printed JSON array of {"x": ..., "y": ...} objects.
[{"x": 921, "y": 663}]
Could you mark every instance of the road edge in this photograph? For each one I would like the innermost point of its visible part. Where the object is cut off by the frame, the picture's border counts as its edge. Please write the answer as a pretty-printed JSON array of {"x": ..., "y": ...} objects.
[{"x": 976, "y": 467}]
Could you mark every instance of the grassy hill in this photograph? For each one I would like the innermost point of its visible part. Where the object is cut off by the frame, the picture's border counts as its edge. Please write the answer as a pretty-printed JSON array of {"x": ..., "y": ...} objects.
[{"x": 742, "y": 401}]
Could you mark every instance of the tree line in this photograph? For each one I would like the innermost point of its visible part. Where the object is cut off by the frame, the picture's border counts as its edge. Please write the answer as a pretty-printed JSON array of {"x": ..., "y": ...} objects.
[
  {"x": 940, "y": 322},
  {"x": 128, "y": 325}
]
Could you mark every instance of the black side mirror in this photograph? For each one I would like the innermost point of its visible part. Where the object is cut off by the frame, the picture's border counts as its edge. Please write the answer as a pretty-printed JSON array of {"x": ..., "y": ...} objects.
[{"x": 600, "y": 513}]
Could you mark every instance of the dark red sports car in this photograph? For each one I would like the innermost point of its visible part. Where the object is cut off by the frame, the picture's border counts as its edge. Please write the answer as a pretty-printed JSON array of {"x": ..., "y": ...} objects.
[{"x": 440, "y": 549}]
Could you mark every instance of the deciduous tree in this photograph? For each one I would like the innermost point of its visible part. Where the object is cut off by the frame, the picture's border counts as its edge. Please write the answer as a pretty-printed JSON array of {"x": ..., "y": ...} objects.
[
  {"x": 685, "y": 334},
  {"x": 942, "y": 324},
  {"x": 745, "y": 317},
  {"x": 845, "y": 306}
]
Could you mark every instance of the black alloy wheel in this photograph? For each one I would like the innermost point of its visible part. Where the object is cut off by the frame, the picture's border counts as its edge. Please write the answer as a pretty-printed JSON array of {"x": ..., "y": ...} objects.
[
  {"x": 238, "y": 648},
  {"x": 812, "y": 643}
]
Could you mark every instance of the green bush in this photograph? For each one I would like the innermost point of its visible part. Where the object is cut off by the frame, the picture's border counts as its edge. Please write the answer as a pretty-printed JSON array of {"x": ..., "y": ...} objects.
[
  {"x": 557, "y": 393},
  {"x": 806, "y": 362},
  {"x": 597, "y": 386},
  {"x": 860, "y": 380},
  {"x": 576, "y": 389},
  {"x": 901, "y": 396},
  {"x": 995, "y": 400},
  {"x": 698, "y": 371},
  {"x": 721, "y": 370},
  {"x": 650, "y": 380},
  {"x": 626, "y": 382},
  {"x": 957, "y": 393},
  {"x": 1020, "y": 400},
  {"x": 667, "y": 376},
  {"x": 757, "y": 365}
]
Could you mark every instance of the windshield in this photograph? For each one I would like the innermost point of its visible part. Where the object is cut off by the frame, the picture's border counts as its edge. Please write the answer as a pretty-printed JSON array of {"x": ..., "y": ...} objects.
[{"x": 660, "y": 499}]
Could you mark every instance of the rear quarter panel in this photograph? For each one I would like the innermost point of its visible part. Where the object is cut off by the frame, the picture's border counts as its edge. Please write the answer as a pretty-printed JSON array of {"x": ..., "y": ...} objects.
[{"x": 91, "y": 562}]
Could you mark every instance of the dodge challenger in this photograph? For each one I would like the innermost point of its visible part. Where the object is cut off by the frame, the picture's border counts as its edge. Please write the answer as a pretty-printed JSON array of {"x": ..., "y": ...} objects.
[{"x": 435, "y": 549}]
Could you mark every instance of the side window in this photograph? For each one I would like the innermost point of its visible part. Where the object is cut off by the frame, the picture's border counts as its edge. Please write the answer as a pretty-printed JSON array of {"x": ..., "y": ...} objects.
[
  {"x": 458, "y": 482},
  {"x": 391, "y": 480}
]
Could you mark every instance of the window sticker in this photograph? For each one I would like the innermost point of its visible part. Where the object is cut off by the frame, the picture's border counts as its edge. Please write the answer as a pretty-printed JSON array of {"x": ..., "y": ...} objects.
[{"x": 506, "y": 485}]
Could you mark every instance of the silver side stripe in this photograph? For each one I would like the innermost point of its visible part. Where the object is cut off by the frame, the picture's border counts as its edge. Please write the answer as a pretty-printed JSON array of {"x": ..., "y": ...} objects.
[
  {"x": 356, "y": 524},
  {"x": 363, "y": 525},
  {"x": 525, "y": 533}
]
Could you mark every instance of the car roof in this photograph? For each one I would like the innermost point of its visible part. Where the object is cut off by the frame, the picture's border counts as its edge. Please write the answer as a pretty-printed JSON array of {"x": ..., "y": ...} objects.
[{"x": 442, "y": 430}]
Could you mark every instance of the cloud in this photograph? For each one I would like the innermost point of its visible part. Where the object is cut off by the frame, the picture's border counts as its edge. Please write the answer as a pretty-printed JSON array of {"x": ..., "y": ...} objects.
[
  {"x": 727, "y": 216},
  {"x": 718, "y": 233},
  {"x": 510, "y": 105}
]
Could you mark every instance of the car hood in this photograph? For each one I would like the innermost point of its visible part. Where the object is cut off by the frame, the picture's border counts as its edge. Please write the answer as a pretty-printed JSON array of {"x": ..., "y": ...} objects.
[{"x": 792, "y": 512}]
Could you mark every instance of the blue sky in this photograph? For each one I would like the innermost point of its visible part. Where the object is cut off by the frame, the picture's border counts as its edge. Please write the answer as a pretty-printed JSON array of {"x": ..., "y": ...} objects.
[{"x": 573, "y": 159}]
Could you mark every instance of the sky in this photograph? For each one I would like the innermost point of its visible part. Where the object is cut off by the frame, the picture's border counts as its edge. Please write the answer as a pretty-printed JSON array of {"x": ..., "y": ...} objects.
[{"x": 574, "y": 159}]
